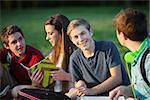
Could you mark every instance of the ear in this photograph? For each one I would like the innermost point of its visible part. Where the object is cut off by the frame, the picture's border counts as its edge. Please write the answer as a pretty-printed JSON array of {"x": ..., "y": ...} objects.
[
  {"x": 6, "y": 45},
  {"x": 91, "y": 32},
  {"x": 123, "y": 35}
]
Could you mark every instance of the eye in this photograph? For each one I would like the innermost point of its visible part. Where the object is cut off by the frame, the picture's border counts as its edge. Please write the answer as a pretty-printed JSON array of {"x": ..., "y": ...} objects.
[
  {"x": 20, "y": 38},
  {"x": 50, "y": 33},
  {"x": 82, "y": 33},
  {"x": 14, "y": 42}
]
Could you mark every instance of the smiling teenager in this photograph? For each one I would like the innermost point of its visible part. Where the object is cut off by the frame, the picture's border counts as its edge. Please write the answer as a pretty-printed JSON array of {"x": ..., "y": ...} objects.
[{"x": 95, "y": 66}]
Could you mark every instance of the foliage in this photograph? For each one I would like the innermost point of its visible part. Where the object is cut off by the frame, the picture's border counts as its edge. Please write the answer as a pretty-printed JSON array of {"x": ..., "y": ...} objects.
[{"x": 31, "y": 22}]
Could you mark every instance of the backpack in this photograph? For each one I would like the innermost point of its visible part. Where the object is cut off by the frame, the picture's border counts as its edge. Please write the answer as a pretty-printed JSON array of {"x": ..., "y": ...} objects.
[
  {"x": 41, "y": 94},
  {"x": 142, "y": 66}
]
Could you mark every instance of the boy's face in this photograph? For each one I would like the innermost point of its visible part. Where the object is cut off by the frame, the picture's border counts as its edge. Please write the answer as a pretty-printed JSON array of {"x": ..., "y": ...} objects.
[
  {"x": 16, "y": 44},
  {"x": 81, "y": 37}
]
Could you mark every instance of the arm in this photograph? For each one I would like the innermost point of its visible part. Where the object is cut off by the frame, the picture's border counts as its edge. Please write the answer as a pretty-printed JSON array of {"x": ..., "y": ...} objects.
[
  {"x": 16, "y": 89},
  {"x": 121, "y": 90},
  {"x": 61, "y": 75},
  {"x": 114, "y": 80},
  {"x": 74, "y": 92}
]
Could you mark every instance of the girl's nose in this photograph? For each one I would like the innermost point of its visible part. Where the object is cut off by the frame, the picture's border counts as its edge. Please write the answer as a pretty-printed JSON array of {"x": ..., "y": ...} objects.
[{"x": 47, "y": 38}]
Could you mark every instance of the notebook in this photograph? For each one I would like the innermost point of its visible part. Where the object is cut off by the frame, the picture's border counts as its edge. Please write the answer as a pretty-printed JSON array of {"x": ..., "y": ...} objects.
[{"x": 47, "y": 67}]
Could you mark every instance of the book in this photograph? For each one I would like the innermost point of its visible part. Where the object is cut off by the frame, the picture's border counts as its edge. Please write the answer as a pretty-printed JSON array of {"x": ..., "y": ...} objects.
[
  {"x": 98, "y": 98},
  {"x": 47, "y": 67}
]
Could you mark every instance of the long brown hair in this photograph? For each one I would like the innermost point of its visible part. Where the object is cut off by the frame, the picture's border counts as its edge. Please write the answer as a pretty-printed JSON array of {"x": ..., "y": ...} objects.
[{"x": 64, "y": 46}]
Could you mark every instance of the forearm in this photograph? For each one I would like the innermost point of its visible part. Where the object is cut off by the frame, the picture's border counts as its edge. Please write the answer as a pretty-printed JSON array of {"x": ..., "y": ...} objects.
[
  {"x": 107, "y": 85},
  {"x": 68, "y": 77},
  {"x": 16, "y": 89}
]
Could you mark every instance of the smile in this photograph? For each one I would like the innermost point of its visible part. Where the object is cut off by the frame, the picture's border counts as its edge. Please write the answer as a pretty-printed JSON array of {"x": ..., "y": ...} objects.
[{"x": 83, "y": 43}]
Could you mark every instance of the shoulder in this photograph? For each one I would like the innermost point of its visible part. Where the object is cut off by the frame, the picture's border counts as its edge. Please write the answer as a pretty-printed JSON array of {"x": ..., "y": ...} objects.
[
  {"x": 3, "y": 55},
  {"x": 3, "y": 50},
  {"x": 32, "y": 51},
  {"x": 146, "y": 61},
  {"x": 105, "y": 45},
  {"x": 145, "y": 54},
  {"x": 76, "y": 54}
]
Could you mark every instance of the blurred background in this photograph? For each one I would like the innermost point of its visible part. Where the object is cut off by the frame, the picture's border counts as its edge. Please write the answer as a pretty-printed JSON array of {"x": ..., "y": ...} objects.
[{"x": 30, "y": 15}]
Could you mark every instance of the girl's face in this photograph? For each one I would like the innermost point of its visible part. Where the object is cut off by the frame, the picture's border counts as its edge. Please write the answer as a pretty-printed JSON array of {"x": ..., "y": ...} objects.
[{"x": 53, "y": 35}]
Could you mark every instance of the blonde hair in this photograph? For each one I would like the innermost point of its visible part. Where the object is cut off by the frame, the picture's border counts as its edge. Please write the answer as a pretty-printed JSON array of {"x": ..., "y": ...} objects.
[{"x": 77, "y": 22}]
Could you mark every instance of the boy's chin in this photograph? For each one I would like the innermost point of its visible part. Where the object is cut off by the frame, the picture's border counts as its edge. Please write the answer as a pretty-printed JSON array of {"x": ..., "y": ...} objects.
[{"x": 21, "y": 53}]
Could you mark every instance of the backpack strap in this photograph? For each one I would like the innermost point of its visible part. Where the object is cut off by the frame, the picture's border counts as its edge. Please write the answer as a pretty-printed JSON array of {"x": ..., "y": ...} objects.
[
  {"x": 142, "y": 66},
  {"x": 9, "y": 57}
]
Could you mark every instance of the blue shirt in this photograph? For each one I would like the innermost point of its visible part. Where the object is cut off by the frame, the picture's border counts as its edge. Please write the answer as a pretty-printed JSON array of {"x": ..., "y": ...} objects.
[{"x": 142, "y": 90}]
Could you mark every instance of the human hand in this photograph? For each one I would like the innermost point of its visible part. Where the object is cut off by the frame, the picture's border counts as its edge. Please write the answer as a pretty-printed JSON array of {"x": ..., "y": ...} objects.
[
  {"x": 85, "y": 91},
  {"x": 72, "y": 93},
  {"x": 120, "y": 90},
  {"x": 80, "y": 83},
  {"x": 80, "y": 86},
  {"x": 61, "y": 75},
  {"x": 16, "y": 90},
  {"x": 36, "y": 77}
]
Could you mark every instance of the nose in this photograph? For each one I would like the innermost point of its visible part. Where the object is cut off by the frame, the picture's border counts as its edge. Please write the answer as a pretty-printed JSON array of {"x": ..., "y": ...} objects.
[
  {"x": 19, "y": 43},
  {"x": 47, "y": 38},
  {"x": 80, "y": 38}
]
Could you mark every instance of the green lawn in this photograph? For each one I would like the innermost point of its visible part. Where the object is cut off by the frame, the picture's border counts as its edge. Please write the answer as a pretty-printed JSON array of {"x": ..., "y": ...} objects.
[{"x": 31, "y": 21}]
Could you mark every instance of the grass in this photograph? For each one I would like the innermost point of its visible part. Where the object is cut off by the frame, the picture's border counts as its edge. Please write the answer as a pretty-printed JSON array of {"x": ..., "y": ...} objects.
[{"x": 31, "y": 22}]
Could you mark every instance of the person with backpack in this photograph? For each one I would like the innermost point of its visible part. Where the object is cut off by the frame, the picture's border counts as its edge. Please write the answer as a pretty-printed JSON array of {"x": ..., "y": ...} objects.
[
  {"x": 131, "y": 30},
  {"x": 15, "y": 52}
]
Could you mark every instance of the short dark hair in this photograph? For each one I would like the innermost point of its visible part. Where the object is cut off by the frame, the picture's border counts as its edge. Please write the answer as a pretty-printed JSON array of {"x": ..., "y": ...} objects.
[
  {"x": 8, "y": 30},
  {"x": 132, "y": 23}
]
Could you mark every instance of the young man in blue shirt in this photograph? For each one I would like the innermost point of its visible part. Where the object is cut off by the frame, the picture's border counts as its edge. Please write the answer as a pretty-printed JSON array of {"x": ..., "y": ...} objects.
[{"x": 131, "y": 29}]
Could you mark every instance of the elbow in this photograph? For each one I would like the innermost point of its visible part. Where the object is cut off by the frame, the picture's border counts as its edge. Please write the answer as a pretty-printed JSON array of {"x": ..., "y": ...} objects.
[{"x": 118, "y": 80}]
